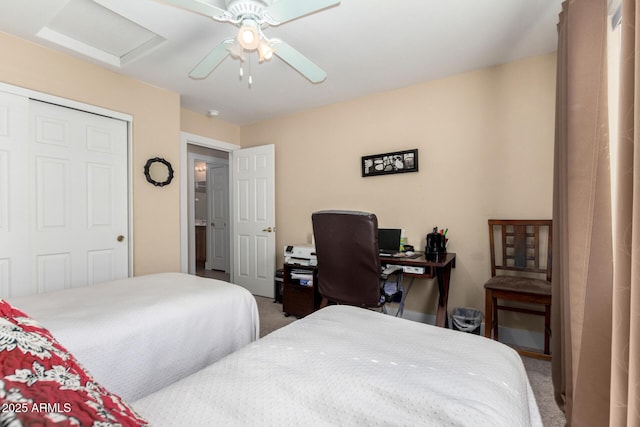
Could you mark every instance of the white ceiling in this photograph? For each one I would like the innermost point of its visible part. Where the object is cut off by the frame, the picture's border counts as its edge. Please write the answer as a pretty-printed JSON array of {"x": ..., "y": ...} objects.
[{"x": 365, "y": 46}]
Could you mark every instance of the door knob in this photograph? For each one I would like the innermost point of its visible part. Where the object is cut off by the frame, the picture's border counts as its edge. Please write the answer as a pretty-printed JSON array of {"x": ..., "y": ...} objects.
[
  {"x": 120, "y": 238},
  {"x": 269, "y": 229}
]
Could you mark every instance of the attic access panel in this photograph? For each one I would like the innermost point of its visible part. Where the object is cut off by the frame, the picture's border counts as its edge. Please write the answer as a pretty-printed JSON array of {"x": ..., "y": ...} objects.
[{"x": 110, "y": 37}]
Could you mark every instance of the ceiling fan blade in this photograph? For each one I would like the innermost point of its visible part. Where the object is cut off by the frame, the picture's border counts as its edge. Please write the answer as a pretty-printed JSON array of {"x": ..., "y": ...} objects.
[
  {"x": 211, "y": 61},
  {"x": 286, "y": 10},
  {"x": 198, "y": 6},
  {"x": 298, "y": 61}
]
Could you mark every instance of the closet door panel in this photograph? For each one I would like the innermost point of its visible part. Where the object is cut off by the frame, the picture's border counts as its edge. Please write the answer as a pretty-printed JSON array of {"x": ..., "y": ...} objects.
[
  {"x": 81, "y": 196},
  {"x": 15, "y": 269},
  {"x": 63, "y": 197}
]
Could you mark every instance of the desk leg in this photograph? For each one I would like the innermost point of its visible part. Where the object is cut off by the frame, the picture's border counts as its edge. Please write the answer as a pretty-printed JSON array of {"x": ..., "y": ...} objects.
[{"x": 444, "y": 275}]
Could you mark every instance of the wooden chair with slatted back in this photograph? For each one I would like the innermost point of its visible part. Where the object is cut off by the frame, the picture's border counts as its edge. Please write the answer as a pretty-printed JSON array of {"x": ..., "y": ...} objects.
[{"x": 520, "y": 273}]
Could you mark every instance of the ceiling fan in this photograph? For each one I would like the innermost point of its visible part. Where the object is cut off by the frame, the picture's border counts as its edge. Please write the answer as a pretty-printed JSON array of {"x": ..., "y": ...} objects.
[{"x": 251, "y": 17}]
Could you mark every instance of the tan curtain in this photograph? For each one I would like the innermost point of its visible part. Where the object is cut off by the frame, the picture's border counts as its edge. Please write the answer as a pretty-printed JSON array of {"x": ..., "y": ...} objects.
[
  {"x": 625, "y": 350},
  {"x": 582, "y": 253},
  {"x": 596, "y": 301}
]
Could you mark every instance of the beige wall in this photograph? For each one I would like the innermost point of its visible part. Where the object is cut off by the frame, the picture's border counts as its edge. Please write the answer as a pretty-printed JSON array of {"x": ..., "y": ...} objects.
[
  {"x": 156, "y": 129},
  {"x": 485, "y": 141},
  {"x": 210, "y": 127}
]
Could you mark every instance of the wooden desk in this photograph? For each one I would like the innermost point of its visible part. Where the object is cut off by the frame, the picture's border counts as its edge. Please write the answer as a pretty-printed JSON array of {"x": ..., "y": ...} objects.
[
  {"x": 440, "y": 268},
  {"x": 300, "y": 300}
]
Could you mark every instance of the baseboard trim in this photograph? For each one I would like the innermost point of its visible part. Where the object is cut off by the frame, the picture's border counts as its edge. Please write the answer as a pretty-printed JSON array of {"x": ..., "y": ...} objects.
[{"x": 510, "y": 336}]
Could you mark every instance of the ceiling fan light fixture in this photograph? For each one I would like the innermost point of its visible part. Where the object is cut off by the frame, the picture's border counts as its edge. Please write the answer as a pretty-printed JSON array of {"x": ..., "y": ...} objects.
[
  {"x": 249, "y": 35},
  {"x": 265, "y": 50},
  {"x": 236, "y": 51}
]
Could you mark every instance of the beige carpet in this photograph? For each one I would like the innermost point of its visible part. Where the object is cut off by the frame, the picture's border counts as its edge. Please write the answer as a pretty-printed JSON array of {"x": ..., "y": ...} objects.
[
  {"x": 271, "y": 317},
  {"x": 539, "y": 371}
]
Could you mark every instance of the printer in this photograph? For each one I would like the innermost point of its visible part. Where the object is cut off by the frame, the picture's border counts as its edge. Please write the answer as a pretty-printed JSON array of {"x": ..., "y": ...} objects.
[{"x": 301, "y": 255}]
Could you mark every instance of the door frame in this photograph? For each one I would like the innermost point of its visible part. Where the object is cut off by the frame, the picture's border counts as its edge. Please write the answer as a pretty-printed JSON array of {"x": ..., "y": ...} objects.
[
  {"x": 64, "y": 102},
  {"x": 209, "y": 160},
  {"x": 202, "y": 141}
]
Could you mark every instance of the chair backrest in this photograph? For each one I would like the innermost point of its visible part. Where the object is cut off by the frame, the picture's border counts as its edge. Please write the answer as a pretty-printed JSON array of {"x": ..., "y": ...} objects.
[
  {"x": 348, "y": 260},
  {"x": 521, "y": 246}
]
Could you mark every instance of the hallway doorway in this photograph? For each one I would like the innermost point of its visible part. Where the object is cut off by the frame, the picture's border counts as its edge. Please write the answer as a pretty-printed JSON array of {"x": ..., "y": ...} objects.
[{"x": 208, "y": 204}]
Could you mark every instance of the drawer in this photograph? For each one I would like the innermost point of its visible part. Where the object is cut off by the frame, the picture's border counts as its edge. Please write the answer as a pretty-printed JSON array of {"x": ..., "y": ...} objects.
[{"x": 297, "y": 300}]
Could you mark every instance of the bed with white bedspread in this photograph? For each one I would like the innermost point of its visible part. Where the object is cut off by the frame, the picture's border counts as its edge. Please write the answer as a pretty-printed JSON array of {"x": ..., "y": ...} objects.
[
  {"x": 349, "y": 366},
  {"x": 140, "y": 334}
]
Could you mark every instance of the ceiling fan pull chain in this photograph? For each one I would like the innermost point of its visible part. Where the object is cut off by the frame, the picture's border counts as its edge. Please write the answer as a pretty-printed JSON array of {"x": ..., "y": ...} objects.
[{"x": 250, "y": 76}]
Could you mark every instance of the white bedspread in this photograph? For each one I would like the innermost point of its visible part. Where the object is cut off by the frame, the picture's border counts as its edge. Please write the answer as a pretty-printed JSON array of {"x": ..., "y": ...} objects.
[
  {"x": 350, "y": 366},
  {"x": 138, "y": 335}
]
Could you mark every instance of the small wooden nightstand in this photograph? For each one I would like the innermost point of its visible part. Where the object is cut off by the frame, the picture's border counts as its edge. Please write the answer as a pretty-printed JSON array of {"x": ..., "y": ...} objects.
[{"x": 299, "y": 300}]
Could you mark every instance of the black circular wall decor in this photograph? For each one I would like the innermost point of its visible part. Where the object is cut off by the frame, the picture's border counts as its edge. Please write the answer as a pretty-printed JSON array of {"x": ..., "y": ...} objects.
[{"x": 158, "y": 171}]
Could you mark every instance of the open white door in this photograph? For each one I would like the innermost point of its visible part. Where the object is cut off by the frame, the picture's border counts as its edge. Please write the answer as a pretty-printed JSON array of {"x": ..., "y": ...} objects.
[{"x": 253, "y": 219}]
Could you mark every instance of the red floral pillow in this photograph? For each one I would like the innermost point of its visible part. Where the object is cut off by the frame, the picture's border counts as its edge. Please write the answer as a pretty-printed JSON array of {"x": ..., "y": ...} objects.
[{"x": 42, "y": 384}]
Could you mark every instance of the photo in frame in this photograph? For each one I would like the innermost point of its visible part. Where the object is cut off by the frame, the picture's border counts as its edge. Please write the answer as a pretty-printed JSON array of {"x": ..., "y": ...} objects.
[{"x": 390, "y": 163}]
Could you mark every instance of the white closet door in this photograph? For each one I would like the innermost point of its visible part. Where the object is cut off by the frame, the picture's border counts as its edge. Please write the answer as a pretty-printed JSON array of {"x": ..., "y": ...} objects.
[
  {"x": 14, "y": 198},
  {"x": 63, "y": 197},
  {"x": 79, "y": 197}
]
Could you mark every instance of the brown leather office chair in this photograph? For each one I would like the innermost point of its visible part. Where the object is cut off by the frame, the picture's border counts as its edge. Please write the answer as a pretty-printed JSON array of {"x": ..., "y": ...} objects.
[
  {"x": 520, "y": 272},
  {"x": 349, "y": 270}
]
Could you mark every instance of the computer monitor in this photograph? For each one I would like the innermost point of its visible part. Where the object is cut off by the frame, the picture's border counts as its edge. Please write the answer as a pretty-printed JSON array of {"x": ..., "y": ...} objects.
[{"x": 389, "y": 240}]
